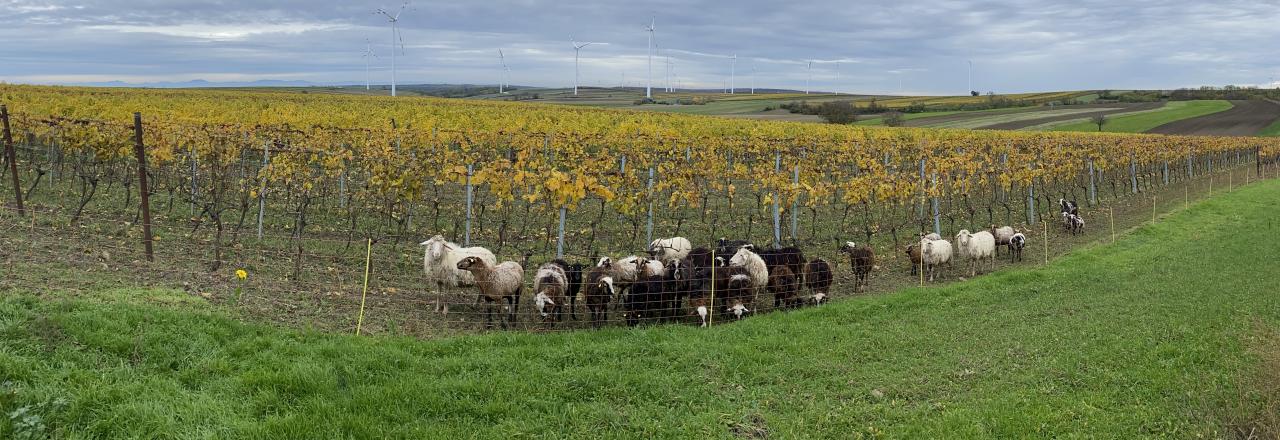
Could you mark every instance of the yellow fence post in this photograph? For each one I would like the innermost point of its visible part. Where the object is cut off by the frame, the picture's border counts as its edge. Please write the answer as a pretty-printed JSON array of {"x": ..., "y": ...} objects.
[
  {"x": 1046, "y": 242},
  {"x": 1111, "y": 214},
  {"x": 365, "y": 291}
]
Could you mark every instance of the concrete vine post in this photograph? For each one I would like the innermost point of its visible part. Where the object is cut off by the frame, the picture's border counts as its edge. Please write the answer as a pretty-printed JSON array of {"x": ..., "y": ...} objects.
[
  {"x": 1093, "y": 186},
  {"x": 262, "y": 186},
  {"x": 470, "y": 198},
  {"x": 795, "y": 219},
  {"x": 937, "y": 217},
  {"x": 145, "y": 197},
  {"x": 648, "y": 229},
  {"x": 777, "y": 214}
]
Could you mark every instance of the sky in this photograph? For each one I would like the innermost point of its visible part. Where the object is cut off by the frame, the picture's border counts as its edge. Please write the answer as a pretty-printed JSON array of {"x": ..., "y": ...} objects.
[{"x": 913, "y": 47}]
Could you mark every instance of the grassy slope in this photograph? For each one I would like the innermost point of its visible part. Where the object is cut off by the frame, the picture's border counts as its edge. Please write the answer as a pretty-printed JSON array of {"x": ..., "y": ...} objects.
[
  {"x": 1149, "y": 336},
  {"x": 1138, "y": 123},
  {"x": 1271, "y": 130}
]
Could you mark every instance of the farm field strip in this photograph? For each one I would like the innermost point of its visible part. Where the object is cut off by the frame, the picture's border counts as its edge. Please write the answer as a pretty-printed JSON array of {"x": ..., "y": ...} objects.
[{"x": 1141, "y": 123}]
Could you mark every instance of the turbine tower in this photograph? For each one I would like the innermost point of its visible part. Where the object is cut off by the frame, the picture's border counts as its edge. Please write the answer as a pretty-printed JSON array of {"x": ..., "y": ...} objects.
[
  {"x": 505, "y": 82},
  {"x": 648, "y": 84},
  {"x": 970, "y": 77},
  {"x": 577, "y": 48},
  {"x": 395, "y": 36},
  {"x": 733, "y": 72},
  {"x": 753, "y": 79},
  {"x": 837, "y": 88},
  {"x": 368, "y": 56},
  {"x": 809, "y": 78}
]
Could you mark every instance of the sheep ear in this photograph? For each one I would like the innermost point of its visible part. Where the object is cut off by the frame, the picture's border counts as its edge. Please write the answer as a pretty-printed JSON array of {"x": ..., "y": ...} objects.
[{"x": 446, "y": 246}]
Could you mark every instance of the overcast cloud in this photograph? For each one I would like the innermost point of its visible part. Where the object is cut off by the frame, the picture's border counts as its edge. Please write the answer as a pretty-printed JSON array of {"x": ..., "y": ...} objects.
[{"x": 910, "y": 46}]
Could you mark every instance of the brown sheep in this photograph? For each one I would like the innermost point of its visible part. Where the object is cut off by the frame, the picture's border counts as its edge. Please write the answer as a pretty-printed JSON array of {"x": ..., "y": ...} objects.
[
  {"x": 913, "y": 254},
  {"x": 862, "y": 259},
  {"x": 785, "y": 286}
]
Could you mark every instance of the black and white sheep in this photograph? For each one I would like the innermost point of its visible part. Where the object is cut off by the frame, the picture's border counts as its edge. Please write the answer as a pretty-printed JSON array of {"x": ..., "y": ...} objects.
[
  {"x": 934, "y": 253},
  {"x": 550, "y": 292},
  {"x": 1069, "y": 206},
  {"x": 669, "y": 249},
  {"x": 817, "y": 277},
  {"x": 861, "y": 261},
  {"x": 1073, "y": 224},
  {"x": 1016, "y": 244},
  {"x": 597, "y": 290},
  {"x": 977, "y": 248},
  {"x": 440, "y": 263},
  {"x": 497, "y": 283}
]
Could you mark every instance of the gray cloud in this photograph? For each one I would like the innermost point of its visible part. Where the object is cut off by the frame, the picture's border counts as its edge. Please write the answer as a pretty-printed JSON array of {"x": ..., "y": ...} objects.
[{"x": 1015, "y": 45}]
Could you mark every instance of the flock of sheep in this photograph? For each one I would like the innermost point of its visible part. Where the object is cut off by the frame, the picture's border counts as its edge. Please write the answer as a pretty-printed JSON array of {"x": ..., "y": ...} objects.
[{"x": 675, "y": 281}]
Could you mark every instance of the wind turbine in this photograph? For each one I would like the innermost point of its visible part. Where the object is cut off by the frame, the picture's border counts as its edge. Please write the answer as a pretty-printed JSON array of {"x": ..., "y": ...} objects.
[
  {"x": 506, "y": 72},
  {"x": 395, "y": 36},
  {"x": 733, "y": 72},
  {"x": 668, "y": 72},
  {"x": 577, "y": 48},
  {"x": 648, "y": 84},
  {"x": 837, "y": 88},
  {"x": 970, "y": 77},
  {"x": 808, "y": 79},
  {"x": 368, "y": 56},
  {"x": 753, "y": 79}
]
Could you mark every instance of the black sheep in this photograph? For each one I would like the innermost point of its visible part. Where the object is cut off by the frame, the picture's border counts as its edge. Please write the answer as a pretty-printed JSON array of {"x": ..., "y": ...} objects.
[
  {"x": 726, "y": 248},
  {"x": 791, "y": 257},
  {"x": 574, "y": 274},
  {"x": 644, "y": 300},
  {"x": 699, "y": 258}
]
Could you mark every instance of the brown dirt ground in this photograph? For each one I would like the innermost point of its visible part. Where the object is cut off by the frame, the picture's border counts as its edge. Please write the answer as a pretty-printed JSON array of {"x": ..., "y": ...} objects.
[{"x": 1247, "y": 118}]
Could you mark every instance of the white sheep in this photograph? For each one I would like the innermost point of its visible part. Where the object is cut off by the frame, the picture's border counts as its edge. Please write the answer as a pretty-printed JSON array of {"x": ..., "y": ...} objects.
[
  {"x": 440, "y": 263},
  {"x": 496, "y": 283},
  {"x": 755, "y": 265},
  {"x": 624, "y": 272},
  {"x": 934, "y": 253},
  {"x": 931, "y": 236},
  {"x": 550, "y": 285},
  {"x": 977, "y": 247},
  {"x": 668, "y": 249}
]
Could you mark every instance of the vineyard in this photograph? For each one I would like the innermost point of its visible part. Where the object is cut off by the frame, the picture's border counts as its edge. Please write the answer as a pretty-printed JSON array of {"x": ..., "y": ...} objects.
[{"x": 309, "y": 193}]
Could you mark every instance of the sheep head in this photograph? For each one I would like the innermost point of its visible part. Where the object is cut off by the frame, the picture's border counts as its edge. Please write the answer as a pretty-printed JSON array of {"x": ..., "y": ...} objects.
[
  {"x": 435, "y": 247},
  {"x": 470, "y": 263},
  {"x": 606, "y": 285},
  {"x": 605, "y": 262},
  {"x": 740, "y": 257},
  {"x": 848, "y": 247},
  {"x": 544, "y": 303},
  {"x": 963, "y": 237}
]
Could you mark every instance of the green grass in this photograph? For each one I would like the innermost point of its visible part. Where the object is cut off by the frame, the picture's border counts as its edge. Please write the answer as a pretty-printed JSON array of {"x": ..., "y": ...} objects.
[
  {"x": 1271, "y": 130},
  {"x": 1138, "y": 123},
  {"x": 1163, "y": 333}
]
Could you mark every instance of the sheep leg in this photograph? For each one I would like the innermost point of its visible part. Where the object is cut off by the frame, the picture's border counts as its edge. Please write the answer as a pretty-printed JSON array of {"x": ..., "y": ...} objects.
[
  {"x": 488, "y": 316},
  {"x": 573, "y": 304}
]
